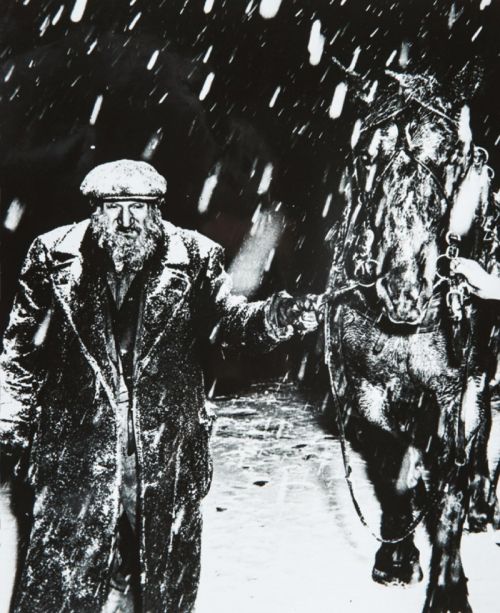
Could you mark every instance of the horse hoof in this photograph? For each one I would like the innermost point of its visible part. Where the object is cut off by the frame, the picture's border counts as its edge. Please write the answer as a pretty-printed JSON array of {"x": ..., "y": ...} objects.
[
  {"x": 477, "y": 521},
  {"x": 397, "y": 564}
]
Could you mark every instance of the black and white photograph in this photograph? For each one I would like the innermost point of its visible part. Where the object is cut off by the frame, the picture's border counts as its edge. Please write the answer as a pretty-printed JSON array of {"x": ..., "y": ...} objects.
[{"x": 250, "y": 315}]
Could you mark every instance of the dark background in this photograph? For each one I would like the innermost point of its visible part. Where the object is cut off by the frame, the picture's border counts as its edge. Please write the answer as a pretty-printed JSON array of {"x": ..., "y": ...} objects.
[{"x": 52, "y": 70}]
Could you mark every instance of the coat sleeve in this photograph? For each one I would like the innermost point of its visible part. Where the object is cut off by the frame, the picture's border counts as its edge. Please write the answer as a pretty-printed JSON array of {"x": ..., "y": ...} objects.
[
  {"x": 230, "y": 319},
  {"x": 20, "y": 368}
]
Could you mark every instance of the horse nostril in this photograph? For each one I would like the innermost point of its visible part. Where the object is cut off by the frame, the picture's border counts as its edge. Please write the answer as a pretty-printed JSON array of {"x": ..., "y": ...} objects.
[
  {"x": 412, "y": 294},
  {"x": 404, "y": 308},
  {"x": 414, "y": 315},
  {"x": 391, "y": 293}
]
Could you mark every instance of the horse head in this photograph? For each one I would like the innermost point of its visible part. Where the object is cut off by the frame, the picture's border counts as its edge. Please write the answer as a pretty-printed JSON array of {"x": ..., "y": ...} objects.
[{"x": 414, "y": 177}]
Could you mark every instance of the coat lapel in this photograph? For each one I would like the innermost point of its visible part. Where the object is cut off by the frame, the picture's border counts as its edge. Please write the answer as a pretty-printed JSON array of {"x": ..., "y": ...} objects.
[
  {"x": 167, "y": 290},
  {"x": 80, "y": 287},
  {"x": 80, "y": 290}
]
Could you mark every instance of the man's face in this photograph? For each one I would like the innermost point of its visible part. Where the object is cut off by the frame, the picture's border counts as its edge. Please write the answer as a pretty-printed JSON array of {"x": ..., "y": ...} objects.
[
  {"x": 128, "y": 230},
  {"x": 126, "y": 216}
]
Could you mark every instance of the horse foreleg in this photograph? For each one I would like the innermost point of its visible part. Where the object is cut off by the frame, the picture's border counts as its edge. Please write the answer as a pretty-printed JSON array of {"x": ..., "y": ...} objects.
[
  {"x": 397, "y": 560},
  {"x": 395, "y": 469},
  {"x": 447, "y": 587},
  {"x": 483, "y": 504}
]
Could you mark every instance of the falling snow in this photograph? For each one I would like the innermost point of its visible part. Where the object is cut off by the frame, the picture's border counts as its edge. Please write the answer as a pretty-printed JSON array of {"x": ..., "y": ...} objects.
[
  {"x": 274, "y": 97},
  {"x": 316, "y": 43},
  {"x": 476, "y": 33},
  {"x": 356, "y": 132},
  {"x": 206, "y": 86},
  {"x": 338, "y": 100},
  {"x": 152, "y": 145},
  {"x": 134, "y": 21},
  {"x": 95, "y": 110},
  {"x": 391, "y": 58},
  {"x": 14, "y": 215},
  {"x": 269, "y": 8},
  {"x": 207, "y": 191},
  {"x": 265, "y": 181},
  {"x": 9, "y": 74},
  {"x": 78, "y": 10},
  {"x": 208, "y": 6},
  {"x": 58, "y": 15},
  {"x": 152, "y": 60}
]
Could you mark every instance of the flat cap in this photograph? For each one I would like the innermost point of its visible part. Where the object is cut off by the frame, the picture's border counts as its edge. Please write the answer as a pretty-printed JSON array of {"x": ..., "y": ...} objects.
[{"x": 124, "y": 179}]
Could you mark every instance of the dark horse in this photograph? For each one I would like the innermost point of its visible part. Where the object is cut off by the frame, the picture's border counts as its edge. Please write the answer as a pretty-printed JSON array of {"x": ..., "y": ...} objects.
[{"x": 406, "y": 347}]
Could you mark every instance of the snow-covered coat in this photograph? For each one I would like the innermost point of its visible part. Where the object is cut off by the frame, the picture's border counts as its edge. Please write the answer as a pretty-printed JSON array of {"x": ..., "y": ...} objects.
[{"x": 59, "y": 404}]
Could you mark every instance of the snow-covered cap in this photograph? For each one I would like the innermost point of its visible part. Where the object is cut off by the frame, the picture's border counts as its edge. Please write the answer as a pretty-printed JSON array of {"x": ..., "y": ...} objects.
[{"x": 124, "y": 179}]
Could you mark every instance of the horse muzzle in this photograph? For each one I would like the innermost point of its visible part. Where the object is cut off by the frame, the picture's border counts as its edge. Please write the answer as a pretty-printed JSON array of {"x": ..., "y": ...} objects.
[
  {"x": 413, "y": 318},
  {"x": 403, "y": 308}
]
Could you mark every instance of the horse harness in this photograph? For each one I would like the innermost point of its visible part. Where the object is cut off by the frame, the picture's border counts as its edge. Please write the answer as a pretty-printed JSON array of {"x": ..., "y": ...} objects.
[{"x": 457, "y": 294}]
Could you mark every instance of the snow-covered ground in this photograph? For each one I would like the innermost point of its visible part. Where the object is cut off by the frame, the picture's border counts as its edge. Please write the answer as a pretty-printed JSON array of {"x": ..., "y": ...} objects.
[{"x": 280, "y": 534}]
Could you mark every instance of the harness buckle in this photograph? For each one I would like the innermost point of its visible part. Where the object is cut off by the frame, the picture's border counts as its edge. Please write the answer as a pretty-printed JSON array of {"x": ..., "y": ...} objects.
[
  {"x": 366, "y": 272},
  {"x": 452, "y": 238},
  {"x": 489, "y": 228},
  {"x": 452, "y": 252},
  {"x": 480, "y": 157}
]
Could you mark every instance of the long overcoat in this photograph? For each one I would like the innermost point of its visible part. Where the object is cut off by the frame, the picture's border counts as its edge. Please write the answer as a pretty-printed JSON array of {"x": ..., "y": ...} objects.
[{"x": 59, "y": 404}]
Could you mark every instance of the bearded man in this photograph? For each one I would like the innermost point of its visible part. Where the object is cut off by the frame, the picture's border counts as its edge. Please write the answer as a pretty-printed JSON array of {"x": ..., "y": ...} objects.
[{"x": 103, "y": 390}]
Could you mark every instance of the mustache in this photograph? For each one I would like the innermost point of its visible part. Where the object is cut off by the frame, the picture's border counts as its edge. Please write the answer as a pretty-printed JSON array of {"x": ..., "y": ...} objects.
[{"x": 132, "y": 229}]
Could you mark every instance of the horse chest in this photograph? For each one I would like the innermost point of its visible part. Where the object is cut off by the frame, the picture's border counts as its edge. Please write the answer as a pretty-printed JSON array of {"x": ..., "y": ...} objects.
[{"x": 372, "y": 354}]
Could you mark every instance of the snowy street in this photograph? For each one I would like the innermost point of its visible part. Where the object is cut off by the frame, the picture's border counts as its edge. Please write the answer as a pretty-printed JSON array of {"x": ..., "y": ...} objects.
[{"x": 281, "y": 534}]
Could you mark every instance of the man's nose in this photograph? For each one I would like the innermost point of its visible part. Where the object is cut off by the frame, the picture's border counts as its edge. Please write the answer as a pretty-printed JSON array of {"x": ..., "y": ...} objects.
[{"x": 125, "y": 217}]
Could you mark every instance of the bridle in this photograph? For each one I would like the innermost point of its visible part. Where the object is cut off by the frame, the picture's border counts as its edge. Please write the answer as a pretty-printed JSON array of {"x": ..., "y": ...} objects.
[{"x": 457, "y": 291}]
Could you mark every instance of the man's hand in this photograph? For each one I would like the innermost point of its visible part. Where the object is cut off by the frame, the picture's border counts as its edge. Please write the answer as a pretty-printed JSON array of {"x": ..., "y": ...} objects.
[
  {"x": 480, "y": 282},
  {"x": 302, "y": 313}
]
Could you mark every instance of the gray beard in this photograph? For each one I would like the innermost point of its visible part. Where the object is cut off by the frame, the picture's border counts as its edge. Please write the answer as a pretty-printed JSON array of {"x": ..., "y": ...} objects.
[{"x": 127, "y": 253}]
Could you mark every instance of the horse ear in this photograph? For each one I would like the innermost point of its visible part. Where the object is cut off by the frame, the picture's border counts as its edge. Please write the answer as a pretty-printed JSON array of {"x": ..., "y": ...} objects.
[
  {"x": 361, "y": 86},
  {"x": 467, "y": 81}
]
